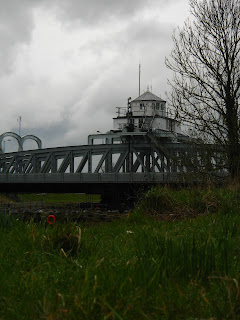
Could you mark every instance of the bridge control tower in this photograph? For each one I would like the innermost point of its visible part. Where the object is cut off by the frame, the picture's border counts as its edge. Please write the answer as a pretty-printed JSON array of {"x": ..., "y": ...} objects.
[{"x": 146, "y": 113}]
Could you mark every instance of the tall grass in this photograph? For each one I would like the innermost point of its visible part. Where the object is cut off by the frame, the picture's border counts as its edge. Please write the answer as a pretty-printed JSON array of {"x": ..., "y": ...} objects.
[
  {"x": 138, "y": 268},
  {"x": 192, "y": 201},
  {"x": 5, "y": 219}
]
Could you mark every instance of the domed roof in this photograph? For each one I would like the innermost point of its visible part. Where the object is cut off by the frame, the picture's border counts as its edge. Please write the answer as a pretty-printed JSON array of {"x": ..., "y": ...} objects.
[{"x": 148, "y": 96}]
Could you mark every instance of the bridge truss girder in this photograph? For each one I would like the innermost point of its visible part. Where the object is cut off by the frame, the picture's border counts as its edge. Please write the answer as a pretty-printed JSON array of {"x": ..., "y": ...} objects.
[{"x": 147, "y": 155}]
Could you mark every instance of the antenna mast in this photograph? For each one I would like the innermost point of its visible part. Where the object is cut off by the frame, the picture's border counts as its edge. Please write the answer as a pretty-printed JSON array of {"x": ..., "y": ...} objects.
[
  {"x": 19, "y": 119},
  {"x": 139, "y": 82}
]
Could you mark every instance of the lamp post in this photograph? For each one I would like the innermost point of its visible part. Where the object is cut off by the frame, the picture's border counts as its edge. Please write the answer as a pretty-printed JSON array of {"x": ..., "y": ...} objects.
[
  {"x": 19, "y": 119},
  {"x": 4, "y": 144}
]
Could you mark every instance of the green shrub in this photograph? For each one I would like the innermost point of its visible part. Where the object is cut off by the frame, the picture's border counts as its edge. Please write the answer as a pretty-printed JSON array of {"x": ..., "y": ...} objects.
[
  {"x": 157, "y": 200},
  {"x": 161, "y": 200}
]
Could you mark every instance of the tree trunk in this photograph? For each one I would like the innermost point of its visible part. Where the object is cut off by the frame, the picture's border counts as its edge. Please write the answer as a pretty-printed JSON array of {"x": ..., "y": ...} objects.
[{"x": 233, "y": 150}]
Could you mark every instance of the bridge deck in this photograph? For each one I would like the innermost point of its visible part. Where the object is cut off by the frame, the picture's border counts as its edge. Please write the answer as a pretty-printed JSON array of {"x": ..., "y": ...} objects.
[{"x": 84, "y": 178}]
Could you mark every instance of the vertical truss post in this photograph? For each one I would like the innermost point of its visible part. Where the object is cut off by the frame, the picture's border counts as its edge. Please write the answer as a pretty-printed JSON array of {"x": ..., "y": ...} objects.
[
  {"x": 124, "y": 167},
  {"x": 89, "y": 161},
  {"x": 53, "y": 164},
  {"x": 108, "y": 161},
  {"x": 154, "y": 162},
  {"x": 148, "y": 162},
  {"x": 161, "y": 163},
  {"x": 34, "y": 164},
  {"x": 17, "y": 165},
  {"x": 174, "y": 163},
  {"x": 129, "y": 158},
  {"x": 168, "y": 165},
  {"x": 71, "y": 161},
  {"x": 130, "y": 161}
]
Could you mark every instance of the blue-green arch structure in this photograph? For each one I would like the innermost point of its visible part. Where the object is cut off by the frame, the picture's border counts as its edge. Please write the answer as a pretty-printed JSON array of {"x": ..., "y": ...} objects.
[{"x": 20, "y": 139}]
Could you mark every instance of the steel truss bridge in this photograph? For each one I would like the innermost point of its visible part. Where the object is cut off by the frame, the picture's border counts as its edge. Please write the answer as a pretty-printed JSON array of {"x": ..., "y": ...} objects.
[{"x": 120, "y": 162}]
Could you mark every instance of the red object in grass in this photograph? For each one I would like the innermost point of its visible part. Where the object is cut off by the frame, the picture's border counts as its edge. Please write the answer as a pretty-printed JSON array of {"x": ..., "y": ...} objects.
[{"x": 51, "y": 219}]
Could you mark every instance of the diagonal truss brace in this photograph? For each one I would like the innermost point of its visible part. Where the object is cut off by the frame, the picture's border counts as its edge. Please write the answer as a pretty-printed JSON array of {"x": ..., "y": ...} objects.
[{"x": 104, "y": 156}]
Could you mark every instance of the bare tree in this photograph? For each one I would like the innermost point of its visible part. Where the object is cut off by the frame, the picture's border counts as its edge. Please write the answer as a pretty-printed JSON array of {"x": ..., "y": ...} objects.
[{"x": 206, "y": 82}]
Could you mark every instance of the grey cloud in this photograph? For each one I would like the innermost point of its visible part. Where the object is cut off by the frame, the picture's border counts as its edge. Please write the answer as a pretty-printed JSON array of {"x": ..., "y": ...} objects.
[
  {"x": 16, "y": 19},
  {"x": 144, "y": 35},
  {"x": 149, "y": 32},
  {"x": 16, "y": 23},
  {"x": 89, "y": 102},
  {"x": 51, "y": 135},
  {"x": 94, "y": 11}
]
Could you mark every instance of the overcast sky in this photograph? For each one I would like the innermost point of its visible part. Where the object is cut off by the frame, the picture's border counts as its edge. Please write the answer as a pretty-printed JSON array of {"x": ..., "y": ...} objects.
[{"x": 67, "y": 64}]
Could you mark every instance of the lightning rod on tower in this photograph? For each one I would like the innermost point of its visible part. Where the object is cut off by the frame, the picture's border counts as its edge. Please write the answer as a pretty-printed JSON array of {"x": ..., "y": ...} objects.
[{"x": 139, "y": 84}]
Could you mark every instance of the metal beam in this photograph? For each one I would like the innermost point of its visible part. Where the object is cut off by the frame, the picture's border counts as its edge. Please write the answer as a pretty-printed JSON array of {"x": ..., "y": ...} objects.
[
  {"x": 65, "y": 163},
  {"x": 140, "y": 162},
  {"x": 47, "y": 164},
  {"x": 82, "y": 163},
  {"x": 103, "y": 158},
  {"x": 120, "y": 161}
]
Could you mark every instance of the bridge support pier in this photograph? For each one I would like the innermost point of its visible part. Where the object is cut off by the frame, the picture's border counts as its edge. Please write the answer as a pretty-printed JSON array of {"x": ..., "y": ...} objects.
[
  {"x": 116, "y": 198},
  {"x": 122, "y": 197}
]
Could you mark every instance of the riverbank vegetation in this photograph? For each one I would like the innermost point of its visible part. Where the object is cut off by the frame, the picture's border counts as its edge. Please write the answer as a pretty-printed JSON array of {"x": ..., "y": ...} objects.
[
  {"x": 176, "y": 256},
  {"x": 49, "y": 198}
]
